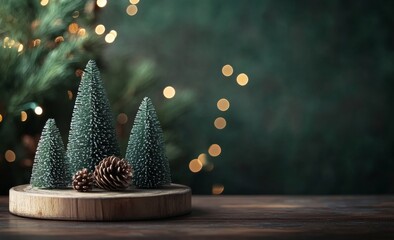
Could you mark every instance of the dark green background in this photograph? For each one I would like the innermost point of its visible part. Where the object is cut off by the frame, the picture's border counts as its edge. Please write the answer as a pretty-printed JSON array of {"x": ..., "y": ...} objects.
[{"x": 316, "y": 116}]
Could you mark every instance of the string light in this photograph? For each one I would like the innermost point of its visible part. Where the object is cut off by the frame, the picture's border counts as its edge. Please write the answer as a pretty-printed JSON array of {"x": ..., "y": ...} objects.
[
  {"x": 5, "y": 41},
  {"x": 169, "y": 92},
  {"x": 220, "y": 123},
  {"x": 109, "y": 38},
  {"x": 73, "y": 28},
  {"x": 70, "y": 94},
  {"x": 10, "y": 156},
  {"x": 202, "y": 158},
  {"x": 195, "y": 165},
  {"x": 134, "y": 1},
  {"x": 217, "y": 189},
  {"x": 132, "y": 10},
  {"x": 214, "y": 150},
  {"x": 44, "y": 2},
  {"x": 78, "y": 72},
  {"x": 101, "y": 3},
  {"x": 113, "y": 32},
  {"x": 227, "y": 70},
  {"x": 23, "y": 116},
  {"x": 20, "y": 48},
  {"x": 11, "y": 43},
  {"x": 36, "y": 42},
  {"x": 100, "y": 29},
  {"x": 75, "y": 14},
  {"x": 38, "y": 110},
  {"x": 223, "y": 104},
  {"x": 59, "y": 39},
  {"x": 242, "y": 79},
  {"x": 82, "y": 32},
  {"x": 27, "y": 162},
  {"x": 122, "y": 118}
]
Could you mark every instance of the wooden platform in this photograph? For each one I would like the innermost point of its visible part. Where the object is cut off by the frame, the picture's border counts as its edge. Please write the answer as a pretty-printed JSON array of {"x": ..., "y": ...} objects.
[{"x": 98, "y": 205}]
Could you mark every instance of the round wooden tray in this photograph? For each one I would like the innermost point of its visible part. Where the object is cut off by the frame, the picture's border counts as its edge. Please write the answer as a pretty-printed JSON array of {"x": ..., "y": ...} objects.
[{"x": 98, "y": 205}]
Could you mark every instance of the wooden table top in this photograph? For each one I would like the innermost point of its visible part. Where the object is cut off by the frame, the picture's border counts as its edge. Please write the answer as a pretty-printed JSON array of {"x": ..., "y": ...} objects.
[{"x": 231, "y": 217}]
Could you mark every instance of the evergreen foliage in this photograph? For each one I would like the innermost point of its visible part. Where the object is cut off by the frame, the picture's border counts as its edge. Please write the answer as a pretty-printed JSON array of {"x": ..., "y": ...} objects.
[
  {"x": 50, "y": 169},
  {"x": 92, "y": 134},
  {"x": 34, "y": 60},
  {"x": 146, "y": 150},
  {"x": 39, "y": 58}
]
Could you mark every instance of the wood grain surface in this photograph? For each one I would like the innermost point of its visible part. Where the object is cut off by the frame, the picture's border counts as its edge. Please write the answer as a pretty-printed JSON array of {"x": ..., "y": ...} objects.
[
  {"x": 99, "y": 205},
  {"x": 231, "y": 217}
]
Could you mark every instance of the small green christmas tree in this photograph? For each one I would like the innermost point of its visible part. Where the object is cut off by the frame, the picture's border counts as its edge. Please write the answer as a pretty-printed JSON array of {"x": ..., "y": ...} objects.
[
  {"x": 145, "y": 150},
  {"x": 50, "y": 169},
  {"x": 92, "y": 134}
]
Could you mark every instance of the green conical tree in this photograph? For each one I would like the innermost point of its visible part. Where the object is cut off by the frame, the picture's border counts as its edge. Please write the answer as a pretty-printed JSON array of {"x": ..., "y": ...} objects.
[
  {"x": 92, "y": 134},
  {"x": 146, "y": 151},
  {"x": 50, "y": 169}
]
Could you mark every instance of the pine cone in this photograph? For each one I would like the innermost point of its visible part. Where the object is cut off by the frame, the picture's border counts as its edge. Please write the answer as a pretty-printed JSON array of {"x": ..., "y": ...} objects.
[
  {"x": 83, "y": 181},
  {"x": 113, "y": 173}
]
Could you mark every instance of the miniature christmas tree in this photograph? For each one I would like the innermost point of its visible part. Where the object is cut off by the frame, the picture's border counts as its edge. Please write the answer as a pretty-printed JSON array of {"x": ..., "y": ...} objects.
[
  {"x": 92, "y": 134},
  {"x": 50, "y": 168},
  {"x": 145, "y": 150}
]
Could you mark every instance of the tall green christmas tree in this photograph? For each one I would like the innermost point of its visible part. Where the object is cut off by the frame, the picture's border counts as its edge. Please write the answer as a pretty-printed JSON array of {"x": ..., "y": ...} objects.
[
  {"x": 146, "y": 151},
  {"x": 92, "y": 134},
  {"x": 50, "y": 169}
]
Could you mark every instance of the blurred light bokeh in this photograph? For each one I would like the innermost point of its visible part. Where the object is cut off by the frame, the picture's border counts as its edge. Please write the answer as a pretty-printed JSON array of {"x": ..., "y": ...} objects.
[{"x": 272, "y": 97}]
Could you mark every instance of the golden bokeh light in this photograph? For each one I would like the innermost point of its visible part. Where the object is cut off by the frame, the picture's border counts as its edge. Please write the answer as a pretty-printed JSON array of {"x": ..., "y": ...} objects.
[
  {"x": 101, "y": 3},
  {"x": 1, "y": 118},
  {"x": 70, "y": 94},
  {"x": 203, "y": 158},
  {"x": 227, "y": 70},
  {"x": 122, "y": 118},
  {"x": 27, "y": 162},
  {"x": 100, "y": 29},
  {"x": 10, "y": 156},
  {"x": 132, "y": 10},
  {"x": 75, "y": 14},
  {"x": 109, "y": 38},
  {"x": 82, "y": 32},
  {"x": 220, "y": 123},
  {"x": 217, "y": 189},
  {"x": 195, "y": 165},
  {"x": 78, "y": 72},
  {"x": 20, "y": 48},
  {"x": 242, "y": 79},
  {"x": 134, "y": 1},
  {"x": 113, "y": 32},
  {"x": 44, "y": 2},
  {"x": 12, "y": 42},
  {"x": 59, "y": 39},
  {"x": 73, "y": 28},
  {"x": 36, "y": 42},
  {"x": 23, "y": 116},
  {"x": 5, "y": 41},
  {"x": 169, "y": 92},
  {"x": 38, "y": 110},
  {"x": 223, "y": 104},
  {"x": 214, "y": 150}
]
